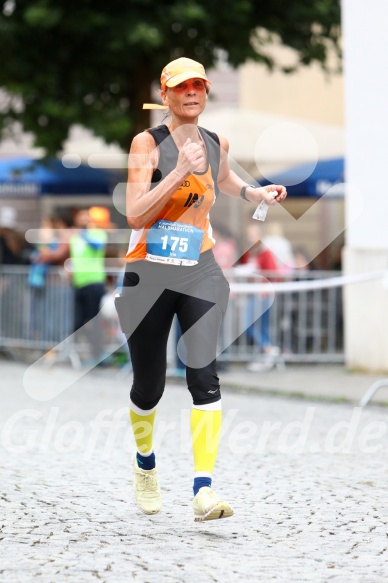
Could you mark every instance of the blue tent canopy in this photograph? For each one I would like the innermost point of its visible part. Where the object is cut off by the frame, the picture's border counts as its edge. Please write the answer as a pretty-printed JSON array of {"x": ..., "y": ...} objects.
[
  {"x": 326, "y": 174},
  {"x": 49, "y": 176}
]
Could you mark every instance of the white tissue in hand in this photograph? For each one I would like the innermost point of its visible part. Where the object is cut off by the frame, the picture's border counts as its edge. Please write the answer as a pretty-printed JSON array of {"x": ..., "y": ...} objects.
[{"x": 261, "y": 211}]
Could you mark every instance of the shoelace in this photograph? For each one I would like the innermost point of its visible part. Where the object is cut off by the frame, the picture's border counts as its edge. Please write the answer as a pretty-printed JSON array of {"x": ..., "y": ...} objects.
[
  {"x": 148, "y": 483},
  {"x": 209, "y": 497}
]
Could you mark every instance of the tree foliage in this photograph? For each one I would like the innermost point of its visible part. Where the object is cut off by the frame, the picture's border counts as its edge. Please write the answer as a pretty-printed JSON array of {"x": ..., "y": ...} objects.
[{"x": 92, "y": 62}]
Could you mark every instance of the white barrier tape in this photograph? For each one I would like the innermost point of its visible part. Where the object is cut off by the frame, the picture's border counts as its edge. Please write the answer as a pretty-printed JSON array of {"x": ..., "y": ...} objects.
[{"x": 290, "y": 286}]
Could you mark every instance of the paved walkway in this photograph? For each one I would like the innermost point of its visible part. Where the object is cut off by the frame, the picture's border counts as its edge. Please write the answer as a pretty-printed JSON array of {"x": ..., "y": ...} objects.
[
  {"x": 322, "y": 382},
  {"x": 307, "y": 480}
]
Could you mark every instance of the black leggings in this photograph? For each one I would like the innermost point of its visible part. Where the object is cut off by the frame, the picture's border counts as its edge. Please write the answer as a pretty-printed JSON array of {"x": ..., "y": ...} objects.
[{"x": 152, "y": 295}]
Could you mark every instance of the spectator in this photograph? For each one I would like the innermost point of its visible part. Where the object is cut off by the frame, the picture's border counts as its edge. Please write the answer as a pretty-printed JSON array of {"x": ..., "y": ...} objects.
[
  {"x": 301, "y": 259},
  {"x": 225, "y": 248},
  {"x": 279, "y": 246},
  {"x": 51, "y": 299},
  {"x": 11, "y": 242},
  {"x": 47, "y": 240},
  {"x": 87, "y": 256},
  {"x": 259, "y": 258},
  {"x": 42, "y": 318},
  {"x": 11, "y": 253},
  {"x": 86, "y": 249},
  {"x": 58, "y": 253},
  {"x": 100, "y": 219}
]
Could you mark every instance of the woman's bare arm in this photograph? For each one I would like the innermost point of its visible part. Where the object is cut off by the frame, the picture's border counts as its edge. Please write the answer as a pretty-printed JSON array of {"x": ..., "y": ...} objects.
[
  {"x": 142, "y": 203},
  {"x": 231, "y": 184}
]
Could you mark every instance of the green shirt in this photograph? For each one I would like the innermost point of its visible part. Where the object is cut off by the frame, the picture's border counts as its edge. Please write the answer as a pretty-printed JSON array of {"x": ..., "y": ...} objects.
[{"x": 87, "y": 254}]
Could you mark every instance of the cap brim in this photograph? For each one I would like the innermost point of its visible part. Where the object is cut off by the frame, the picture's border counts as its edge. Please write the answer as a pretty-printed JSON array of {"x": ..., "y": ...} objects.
[{"x": 184, "y": 77}]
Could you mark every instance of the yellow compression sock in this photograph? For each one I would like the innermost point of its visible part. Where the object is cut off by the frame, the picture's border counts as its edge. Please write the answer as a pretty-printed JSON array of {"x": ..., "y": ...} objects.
[
  {"x": 143, "y": 429},
  {"x": 205, "y": 433}
]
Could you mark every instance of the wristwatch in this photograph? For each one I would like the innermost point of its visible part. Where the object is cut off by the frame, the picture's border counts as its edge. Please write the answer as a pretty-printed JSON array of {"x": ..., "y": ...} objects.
[{"x": 242, "y": 192}]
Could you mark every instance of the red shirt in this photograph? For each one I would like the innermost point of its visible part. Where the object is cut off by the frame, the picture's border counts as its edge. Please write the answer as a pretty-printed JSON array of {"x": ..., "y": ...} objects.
[{"x": 262, "y": 259}]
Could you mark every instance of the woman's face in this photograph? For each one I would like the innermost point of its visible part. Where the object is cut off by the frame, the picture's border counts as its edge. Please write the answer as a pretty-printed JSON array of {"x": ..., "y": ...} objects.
[{"x": 188, "y": 99}]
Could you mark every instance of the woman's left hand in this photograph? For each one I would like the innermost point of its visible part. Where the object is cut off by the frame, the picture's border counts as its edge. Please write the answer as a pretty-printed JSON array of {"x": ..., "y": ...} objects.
[{"x": 270, "y": 194}]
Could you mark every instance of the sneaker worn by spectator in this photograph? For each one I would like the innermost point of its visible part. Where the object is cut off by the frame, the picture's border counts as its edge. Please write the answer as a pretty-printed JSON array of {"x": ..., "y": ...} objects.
[
  {"x": 268, "y": 361},
  {"x": 207, "y": 505},
  {"x": 146, "y": 488},
  {"x": 260, "y": 366}
]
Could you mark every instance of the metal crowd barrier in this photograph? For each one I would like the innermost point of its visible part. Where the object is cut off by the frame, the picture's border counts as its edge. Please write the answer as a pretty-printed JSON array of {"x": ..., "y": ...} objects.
[
  {"x": 31, "y": 316},
  {"x": 306, "y": 326}
]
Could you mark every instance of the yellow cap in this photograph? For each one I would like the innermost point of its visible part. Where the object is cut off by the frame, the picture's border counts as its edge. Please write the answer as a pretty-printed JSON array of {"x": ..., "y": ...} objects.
[{"x": 181, "y": 70}]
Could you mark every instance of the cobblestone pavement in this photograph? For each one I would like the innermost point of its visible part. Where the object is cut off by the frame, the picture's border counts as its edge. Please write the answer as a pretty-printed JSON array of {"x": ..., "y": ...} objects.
[{"x": 307, "y": 480}]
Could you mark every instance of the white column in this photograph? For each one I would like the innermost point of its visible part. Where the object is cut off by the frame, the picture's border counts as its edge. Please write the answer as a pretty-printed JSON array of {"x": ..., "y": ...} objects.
[{"x": 365, "y": 43}]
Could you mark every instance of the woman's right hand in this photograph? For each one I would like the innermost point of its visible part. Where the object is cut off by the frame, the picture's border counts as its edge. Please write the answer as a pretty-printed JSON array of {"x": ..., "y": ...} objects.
[{"x": 191, "y": 156}]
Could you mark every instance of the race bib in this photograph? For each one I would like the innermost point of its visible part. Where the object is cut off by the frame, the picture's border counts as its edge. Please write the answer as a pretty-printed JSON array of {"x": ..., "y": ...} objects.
[{"x": 174, "y": 243}]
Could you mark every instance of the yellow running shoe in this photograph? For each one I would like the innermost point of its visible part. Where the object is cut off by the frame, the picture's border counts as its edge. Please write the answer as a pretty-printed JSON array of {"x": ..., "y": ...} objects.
[
  {"x": 146, "y": 489},
  {"x": 208, "y": 505}
]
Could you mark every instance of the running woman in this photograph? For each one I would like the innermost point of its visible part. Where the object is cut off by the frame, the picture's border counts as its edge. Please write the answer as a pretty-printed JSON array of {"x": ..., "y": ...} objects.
[{"x": 175, "y": 174}]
